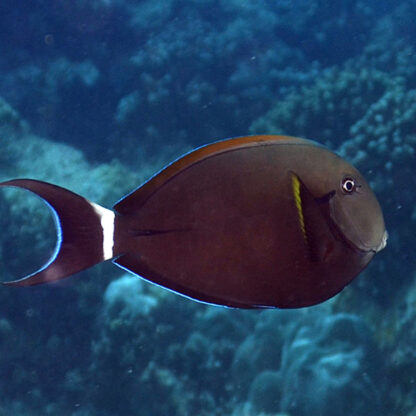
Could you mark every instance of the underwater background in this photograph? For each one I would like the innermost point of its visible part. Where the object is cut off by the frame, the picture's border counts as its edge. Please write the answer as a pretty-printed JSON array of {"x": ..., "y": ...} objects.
[{"x": 96, "y": 96}]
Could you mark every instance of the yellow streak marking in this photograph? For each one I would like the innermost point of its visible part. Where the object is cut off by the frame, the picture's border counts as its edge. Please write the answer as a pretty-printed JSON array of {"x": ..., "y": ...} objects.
[{"x": 298, "y": 203}]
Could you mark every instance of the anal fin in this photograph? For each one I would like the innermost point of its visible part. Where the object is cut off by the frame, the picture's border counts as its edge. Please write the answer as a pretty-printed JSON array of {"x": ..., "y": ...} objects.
[{"x": 133, "y": 264}]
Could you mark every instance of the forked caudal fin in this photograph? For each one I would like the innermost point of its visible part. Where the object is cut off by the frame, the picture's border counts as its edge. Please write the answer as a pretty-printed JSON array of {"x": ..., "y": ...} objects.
[{"x": 85, "y": 232}]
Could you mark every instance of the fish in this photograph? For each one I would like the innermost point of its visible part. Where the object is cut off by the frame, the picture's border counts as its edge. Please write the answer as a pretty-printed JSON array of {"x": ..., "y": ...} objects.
[{"x": 260, "y": 221}]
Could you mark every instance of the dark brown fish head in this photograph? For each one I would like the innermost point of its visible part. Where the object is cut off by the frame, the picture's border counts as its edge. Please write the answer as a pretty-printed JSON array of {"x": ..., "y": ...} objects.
[{"x": 355, "y": 209}]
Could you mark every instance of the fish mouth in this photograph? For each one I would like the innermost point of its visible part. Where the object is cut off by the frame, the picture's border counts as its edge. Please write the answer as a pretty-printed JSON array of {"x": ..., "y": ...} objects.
[{"x": 383, "y": 242}]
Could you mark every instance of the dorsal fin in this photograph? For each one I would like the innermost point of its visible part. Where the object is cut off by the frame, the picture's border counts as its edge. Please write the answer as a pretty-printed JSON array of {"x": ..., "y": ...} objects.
[{"x": 134, "y": 200}]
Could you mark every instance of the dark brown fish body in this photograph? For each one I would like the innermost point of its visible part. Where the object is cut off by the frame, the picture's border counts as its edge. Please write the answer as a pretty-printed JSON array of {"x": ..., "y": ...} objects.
[{"x": 261, "y": 221}]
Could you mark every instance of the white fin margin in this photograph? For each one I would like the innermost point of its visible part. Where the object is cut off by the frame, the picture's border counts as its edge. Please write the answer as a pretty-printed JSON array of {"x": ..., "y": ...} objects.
[{"x": 107, "y": 218}]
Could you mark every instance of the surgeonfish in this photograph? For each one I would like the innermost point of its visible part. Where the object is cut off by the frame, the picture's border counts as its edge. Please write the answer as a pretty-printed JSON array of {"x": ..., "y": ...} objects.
[{"x": 249, "y": 222}]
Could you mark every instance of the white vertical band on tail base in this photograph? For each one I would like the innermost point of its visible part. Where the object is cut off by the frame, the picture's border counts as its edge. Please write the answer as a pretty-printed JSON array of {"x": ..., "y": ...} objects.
[{"x": 107, "y": 223}]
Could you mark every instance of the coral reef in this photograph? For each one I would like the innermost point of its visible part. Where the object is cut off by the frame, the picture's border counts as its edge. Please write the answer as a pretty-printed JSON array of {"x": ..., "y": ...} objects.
[
  {"x": 291, "y": 361},
  {"x": 190, "y": 70},
  {"x": 327, "y": 363}
]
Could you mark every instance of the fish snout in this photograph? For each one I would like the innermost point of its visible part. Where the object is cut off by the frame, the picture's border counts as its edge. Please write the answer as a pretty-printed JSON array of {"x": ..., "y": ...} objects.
[{"x": 383, "y": 242}]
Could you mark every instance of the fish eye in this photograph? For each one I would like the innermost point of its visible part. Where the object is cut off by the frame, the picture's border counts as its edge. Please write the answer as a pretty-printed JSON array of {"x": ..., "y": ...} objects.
[{"x": 348, "y": 185}]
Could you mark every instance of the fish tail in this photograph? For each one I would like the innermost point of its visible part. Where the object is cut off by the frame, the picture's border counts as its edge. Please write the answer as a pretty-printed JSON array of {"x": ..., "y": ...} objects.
[{"x": 85, "y": 232}]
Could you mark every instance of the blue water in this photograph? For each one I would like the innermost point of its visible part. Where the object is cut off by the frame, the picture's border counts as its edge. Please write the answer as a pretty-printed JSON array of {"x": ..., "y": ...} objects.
[{"x": 98, "y": 95}]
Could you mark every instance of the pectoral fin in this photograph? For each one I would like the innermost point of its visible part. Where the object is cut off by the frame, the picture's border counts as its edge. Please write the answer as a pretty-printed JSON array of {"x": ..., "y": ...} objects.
[{"x": 312, "y": 220}]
